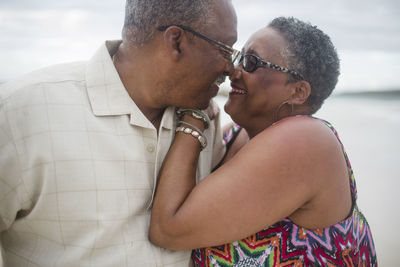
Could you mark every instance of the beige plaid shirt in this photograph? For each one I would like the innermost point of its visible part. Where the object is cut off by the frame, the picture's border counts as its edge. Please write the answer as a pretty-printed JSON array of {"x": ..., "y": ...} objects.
[{"x": 78, "y": 167}]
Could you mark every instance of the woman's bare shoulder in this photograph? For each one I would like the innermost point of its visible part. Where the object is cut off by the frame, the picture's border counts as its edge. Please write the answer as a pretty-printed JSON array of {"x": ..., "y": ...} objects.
[
  {"x": 303, "y": 145},
  {"x": 298, "y": 131}
]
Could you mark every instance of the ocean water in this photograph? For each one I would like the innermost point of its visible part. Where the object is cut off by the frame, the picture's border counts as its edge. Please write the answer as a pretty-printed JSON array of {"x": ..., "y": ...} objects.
[{"x": 369, "y": 128}]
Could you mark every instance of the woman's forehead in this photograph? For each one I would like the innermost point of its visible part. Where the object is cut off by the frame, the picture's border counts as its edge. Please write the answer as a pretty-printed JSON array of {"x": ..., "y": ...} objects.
[{"x": 266, "y": 43}]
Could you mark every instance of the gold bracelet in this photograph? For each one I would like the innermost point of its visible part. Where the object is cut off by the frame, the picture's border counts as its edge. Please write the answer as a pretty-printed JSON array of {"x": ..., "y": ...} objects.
[{"x": 195, "y": 134}]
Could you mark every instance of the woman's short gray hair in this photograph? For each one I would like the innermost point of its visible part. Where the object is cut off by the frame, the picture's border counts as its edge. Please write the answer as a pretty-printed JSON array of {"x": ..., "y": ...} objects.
[
  {"x": 142, "y": 17},
  {"x": 311, "y": 53}
]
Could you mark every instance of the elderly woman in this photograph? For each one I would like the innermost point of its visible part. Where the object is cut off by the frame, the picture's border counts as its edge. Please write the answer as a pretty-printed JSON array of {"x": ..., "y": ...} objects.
[{"x": 285, "y": 196}]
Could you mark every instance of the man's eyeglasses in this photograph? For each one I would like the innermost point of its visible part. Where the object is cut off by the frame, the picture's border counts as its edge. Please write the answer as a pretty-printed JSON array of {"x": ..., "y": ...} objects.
[
  {"x": 233, "y": 53},
  {"x": 252, "y": 62}
]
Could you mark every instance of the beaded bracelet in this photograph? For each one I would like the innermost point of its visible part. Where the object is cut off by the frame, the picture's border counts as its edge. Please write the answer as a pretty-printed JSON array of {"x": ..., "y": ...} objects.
[
  {"x": 195, "y": 113},
  {"x": 190, "y": 125},
  {"x": 195, "y": 134}
]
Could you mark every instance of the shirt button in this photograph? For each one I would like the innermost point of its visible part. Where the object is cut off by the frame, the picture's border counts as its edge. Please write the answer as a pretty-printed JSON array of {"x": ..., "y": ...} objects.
[{"x": 150, "y": 148}]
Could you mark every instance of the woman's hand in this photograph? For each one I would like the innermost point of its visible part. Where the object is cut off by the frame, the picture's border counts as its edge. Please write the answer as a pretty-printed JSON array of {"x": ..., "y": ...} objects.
[{"x": 213, "y": 110}]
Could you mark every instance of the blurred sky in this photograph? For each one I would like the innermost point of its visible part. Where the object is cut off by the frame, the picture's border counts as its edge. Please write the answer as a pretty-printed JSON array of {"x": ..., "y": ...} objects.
[{"x": 37, "y": 33}]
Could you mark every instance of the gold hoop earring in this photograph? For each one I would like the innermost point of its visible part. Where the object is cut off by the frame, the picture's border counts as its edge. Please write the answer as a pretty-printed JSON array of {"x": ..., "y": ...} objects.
[{"x": 278, "y": 110}]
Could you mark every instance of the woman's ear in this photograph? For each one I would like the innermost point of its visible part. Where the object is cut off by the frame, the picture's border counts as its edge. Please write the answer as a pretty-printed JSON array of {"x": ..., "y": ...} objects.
[
  {"x": 301, "y": 92},
  {"x": 173, "y": 37}
]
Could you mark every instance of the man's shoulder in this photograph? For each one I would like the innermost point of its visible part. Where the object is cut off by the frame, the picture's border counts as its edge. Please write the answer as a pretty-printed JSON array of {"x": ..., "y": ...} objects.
[
  {"x": 73, "y": 72},
  {"x": 34, "y": 88}
]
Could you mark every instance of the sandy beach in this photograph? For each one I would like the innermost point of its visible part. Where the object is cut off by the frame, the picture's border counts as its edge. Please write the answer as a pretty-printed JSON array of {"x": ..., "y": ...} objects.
[{"x": 369, "y": 127}]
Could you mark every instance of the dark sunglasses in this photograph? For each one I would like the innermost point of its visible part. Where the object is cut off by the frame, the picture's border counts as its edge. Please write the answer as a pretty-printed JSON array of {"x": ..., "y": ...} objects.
[
  {"x": 233, "y": 53},
  {"x": 252, "y": 62}
]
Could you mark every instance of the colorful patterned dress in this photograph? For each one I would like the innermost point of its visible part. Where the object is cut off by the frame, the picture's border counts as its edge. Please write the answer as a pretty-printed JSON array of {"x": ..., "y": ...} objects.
[{"x": 347, "y": 243}]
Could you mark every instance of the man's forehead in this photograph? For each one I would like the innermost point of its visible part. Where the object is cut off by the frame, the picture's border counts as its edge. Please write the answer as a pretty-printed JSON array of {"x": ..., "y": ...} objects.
[
  {"x": 225, "y": 21},
  {"x": 224, "y": 12}
]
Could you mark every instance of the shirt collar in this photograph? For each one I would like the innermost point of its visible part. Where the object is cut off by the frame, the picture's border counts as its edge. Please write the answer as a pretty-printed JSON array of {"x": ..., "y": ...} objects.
[{"x": 107, "y": 94}]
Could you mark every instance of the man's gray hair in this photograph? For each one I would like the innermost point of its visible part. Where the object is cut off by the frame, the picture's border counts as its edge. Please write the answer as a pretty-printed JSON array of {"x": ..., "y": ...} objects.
[
  {"x": 142, "y": 17},
  {"x": 311, "y": 53}
]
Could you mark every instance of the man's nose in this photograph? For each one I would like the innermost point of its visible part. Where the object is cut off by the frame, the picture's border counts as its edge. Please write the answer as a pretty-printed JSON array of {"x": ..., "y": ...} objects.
[
  {"x": 229, "y": 69},
  {"x": 236, "y": 73}
]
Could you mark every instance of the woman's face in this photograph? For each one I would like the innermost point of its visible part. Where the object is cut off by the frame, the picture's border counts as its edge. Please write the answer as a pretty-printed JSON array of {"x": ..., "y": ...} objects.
[{"x": 256, "y": 96}]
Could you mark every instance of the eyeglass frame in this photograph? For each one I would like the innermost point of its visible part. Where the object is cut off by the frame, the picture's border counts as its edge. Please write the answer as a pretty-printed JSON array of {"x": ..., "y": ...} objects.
[
  {"x": 234, "y": 53},
  {"x": 263, "y": 63}
]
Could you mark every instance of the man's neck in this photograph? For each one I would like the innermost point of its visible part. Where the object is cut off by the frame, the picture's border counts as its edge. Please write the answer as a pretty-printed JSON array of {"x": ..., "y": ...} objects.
[{"x": 133, "y": 68}]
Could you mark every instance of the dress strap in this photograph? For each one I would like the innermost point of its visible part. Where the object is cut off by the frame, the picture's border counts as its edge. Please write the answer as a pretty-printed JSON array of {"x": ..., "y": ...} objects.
[
  {"x": 231, "y": 134},
  {"x": 229, "y": 139},
  {"x": 353, "y": 186}
]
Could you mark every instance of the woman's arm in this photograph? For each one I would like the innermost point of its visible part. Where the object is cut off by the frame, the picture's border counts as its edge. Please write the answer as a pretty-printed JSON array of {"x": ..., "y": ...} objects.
[{"x": 271, "y": 177}]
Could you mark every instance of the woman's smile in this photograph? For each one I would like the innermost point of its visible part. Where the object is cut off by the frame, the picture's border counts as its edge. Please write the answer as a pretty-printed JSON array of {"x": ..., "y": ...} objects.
[{"x": 236, "y": 90}]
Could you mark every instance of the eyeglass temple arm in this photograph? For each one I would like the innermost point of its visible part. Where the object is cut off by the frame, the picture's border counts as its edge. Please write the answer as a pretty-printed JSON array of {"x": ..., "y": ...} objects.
[{"x": 231, "y": 50}]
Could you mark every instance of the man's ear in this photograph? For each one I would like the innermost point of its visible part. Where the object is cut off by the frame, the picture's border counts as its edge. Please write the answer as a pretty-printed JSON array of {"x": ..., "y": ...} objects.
[
  {"x": 173, "y": 37},
  {"x": 301, "y": 92}
]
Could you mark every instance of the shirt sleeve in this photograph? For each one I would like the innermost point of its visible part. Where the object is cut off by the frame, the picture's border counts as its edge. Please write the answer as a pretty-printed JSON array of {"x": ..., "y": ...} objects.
[{"x": 10, "y": 174}]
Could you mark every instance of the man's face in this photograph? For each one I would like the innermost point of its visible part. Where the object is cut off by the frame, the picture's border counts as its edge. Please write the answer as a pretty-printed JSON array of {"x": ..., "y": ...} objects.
[{"x": 208, "y": 63}]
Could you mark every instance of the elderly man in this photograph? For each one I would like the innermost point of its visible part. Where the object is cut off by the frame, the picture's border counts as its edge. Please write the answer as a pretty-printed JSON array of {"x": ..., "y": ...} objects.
[{"x": 81, "y": 143}]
